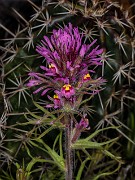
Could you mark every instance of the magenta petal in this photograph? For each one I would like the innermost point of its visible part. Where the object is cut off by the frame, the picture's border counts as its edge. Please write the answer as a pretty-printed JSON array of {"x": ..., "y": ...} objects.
[
  {"x": 49, "y": 74},
  {"x": 48, "y": 42},
  {"x": 38, "y": 90},
  {"x": 31, "y": 83},
  {"x": 32, "y": 74},
  {"x": 92, "y": 43},
  {"x": 45, "y": 91},
  {"x": 49, "y": 105},
  {"x": 44, "y": 68},
  {"x": 83, "y": 124},
  {"x": 83, "y": 50},
  {"x": 100, "y": 51}
]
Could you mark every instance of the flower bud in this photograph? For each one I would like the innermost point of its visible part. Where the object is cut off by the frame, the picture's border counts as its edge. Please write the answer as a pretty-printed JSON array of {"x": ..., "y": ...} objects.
[
  {"x": 79, "y": 128},
  {"x": 53, "y": 68},
  {"x": 56, "y": 101}
]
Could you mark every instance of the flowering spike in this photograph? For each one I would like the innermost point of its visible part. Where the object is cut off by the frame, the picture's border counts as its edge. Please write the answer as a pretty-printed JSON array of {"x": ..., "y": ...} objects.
[{"x": 69, "y": 63}]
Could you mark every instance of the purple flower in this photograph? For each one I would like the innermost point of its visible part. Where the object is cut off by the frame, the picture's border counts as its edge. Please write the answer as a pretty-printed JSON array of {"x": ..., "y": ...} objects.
[
  {"x": 69, "y": 62},
  {"x": 33, "y": 83},
  {"x": 67, "y": 91},
  {"x": 51, "y": 71},
  {"x": 65, "y": 51},
  {"x": 79, "y": 128},
  {"x": 83, "y": 124},
  {"x": 57, "y": 102}
]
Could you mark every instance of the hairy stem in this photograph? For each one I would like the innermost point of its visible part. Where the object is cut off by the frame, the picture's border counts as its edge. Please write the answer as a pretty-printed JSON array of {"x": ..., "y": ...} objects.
[{"x": 69, "y": 157}]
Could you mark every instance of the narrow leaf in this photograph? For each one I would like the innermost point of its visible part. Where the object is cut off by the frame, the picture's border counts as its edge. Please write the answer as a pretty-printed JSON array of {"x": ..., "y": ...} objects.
[{"x": 78, "y": 177}]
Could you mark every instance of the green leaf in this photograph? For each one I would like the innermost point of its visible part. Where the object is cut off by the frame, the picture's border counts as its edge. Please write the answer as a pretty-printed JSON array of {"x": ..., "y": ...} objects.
[
  {"x": 112, "y": 156},
  {"x": 107, "y": 142},
  {"x": 55, "y": 142},
  {"x": 58, "y": 160},
  {"x": 106, "y": 173},
  {"x": 34, "y": 115},
  {"x": 35, "y": 160},
  {"x": 60, "y": 144},
  {"x": 17, "y": 165},
  {"x": 45, "y": 132},
  {"x": 6, "y": 176},
  {"x": 83, "y": 143},
  {"x": 78, "y": 177},
  {"x": 28, "y": 151},
  {"x": 100, "y": 130},
  {"x": 44, "y": 110}
]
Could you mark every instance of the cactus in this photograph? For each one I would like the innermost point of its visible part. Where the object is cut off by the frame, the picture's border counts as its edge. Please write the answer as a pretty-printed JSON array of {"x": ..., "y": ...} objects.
[{"x": 29, "y": 121}]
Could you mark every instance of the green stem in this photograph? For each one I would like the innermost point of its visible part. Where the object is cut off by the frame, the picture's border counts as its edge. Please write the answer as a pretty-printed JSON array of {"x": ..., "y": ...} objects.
[{"x": 69, "y": 157}]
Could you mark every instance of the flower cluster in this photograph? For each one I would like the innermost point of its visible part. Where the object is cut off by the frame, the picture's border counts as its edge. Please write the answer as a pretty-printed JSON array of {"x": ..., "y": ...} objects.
[{"x": 69, "y": 65}]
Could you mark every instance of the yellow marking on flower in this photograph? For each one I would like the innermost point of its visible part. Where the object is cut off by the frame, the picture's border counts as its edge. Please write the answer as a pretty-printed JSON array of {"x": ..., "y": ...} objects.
[
  {"x": 87, "y": 76},
  {"x": 56, "y": 96},
  {"x": 67, "y": 87},
  {"x": 51, "y": 66}
]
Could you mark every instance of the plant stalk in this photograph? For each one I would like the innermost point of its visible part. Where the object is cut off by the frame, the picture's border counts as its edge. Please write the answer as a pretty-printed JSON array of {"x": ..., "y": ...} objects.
[{"x": 69, "y": 157}]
